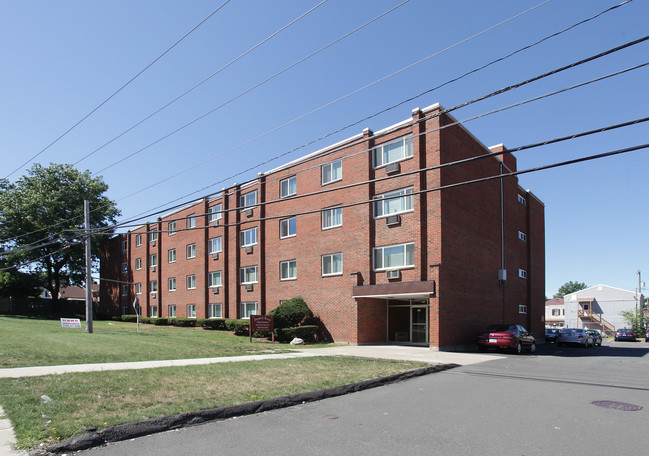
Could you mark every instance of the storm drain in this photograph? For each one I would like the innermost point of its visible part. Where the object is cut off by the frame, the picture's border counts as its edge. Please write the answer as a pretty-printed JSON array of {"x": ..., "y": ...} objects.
[{"x": 622, "y": 406}]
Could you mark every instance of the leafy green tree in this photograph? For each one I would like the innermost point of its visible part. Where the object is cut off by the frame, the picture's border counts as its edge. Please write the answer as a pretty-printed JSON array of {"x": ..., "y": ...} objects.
[
  {"x": 635, "y": 321},
  {"x": 42, "y": 224},
  {"x": 569, "y": 287}
]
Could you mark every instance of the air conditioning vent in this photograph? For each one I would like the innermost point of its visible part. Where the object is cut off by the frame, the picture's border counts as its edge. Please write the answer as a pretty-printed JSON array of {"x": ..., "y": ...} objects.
[
  {"x": 392, "y": 220},
  {"x": 393, "y": 274},
  {"x": 393, "y": 168},
  {"x": 248, "y": 249},
  {"x": 215, "y": 290},
  {"x": 249, "y": 287},
  {"x": 248, "y": 213},
  {"x": 215, "y": 256}
]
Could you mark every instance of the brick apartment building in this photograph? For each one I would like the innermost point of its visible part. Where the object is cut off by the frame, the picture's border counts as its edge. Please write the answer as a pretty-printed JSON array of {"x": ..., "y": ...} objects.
[{"x": 377, "y": 250}]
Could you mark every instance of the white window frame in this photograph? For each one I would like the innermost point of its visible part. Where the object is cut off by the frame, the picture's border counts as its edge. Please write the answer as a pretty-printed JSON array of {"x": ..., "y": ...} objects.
[
  {"x": 191, "y": 310},
  {"x": 153, "y": 286},
  {"x": 171, "y": 284},
  {"x": 380, "y": 155},
  {"x": 245, "y": 310},
  {"x": 215, "y": 213},
  {"x": 138, "y": 288},
  {"x": 138, "y": 240},
  {"x": 332, "y": 168},
  {"x": 285, "y": 227},
  {"x": 216, "y": 248},
  {"x": 522, "y": 309},
  {"x": 171, "y": 228},
  {"x": 288, "y": 270},
  {"x": 330, "y": 258},
  {"x": 138, "y": 264},
  {"x": 248, "y": 200},
  {"x": 214, "y": 279},
  {"x": 171, "y": 310},
  {"x": 124, "y": 268},
  {"x": 153, "y": 260},
  {"x": 522, "y": 200},
  {"x": 215, "y": 310},
  {"x": 153, "y": 311},
  {"x": 124, "y": 290},
  {"x": 124, "y": 245},
  {"x": 171, "y": 256},
  {"x": 191, "y": 251},
  {"x": 288, "y": 187},
  {"x": 245, "y": 274},
  {"x": 380, "y": 252},
  {"x": 191, "y": 221},
  {"x": 153, "y": 236},
  {"x": 522, "y": 273},
  {"x": 329, "y": 215},
  {"x": 190, "y": 281},
  {"x": 522, "y": 236},
  {"x": 383, "y": 202},
  {"x": 243, "y": 234}
]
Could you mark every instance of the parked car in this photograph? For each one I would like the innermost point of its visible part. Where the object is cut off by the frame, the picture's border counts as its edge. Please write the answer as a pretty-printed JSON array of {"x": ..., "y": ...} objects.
[
  {"x": 575, "y": 336},
  {"x": 596, "y": 335},
  {"x": 506, "y": 337},
  {"x": 551, "y": 334},
  {"x": 625, "y": 334}
]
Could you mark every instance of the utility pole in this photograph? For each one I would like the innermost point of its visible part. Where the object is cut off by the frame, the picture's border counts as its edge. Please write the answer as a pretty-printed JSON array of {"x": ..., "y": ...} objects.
[
  {"x": 640, "y": 300},
  {"x": 86, "y": 212}
]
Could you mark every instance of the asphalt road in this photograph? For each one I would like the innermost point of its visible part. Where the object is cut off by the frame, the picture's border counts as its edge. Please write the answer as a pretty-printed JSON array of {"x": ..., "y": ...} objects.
[{"x": 538, "y": 404}]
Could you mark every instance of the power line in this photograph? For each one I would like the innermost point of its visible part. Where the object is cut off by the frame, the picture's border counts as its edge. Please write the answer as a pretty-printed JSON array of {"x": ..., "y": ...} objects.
[{"x": 120, "y": 89}]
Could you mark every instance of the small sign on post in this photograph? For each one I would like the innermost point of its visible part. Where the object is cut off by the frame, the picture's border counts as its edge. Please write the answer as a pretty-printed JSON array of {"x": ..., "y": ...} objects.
[
  {"x": 70, "y": 323},
  {"x": 261, "y": 323}
]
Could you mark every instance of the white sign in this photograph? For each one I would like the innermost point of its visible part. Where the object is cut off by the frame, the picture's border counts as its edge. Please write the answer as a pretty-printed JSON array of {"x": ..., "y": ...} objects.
[{"x": 70, "y": 323}]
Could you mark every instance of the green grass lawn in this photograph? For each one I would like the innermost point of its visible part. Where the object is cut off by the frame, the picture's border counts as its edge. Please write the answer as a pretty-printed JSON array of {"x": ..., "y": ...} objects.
[{"x": 36, "y": 342}]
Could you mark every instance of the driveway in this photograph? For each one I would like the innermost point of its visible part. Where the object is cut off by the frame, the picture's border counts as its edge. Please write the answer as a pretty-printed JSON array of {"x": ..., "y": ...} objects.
[{"x": 523, "y": 405}]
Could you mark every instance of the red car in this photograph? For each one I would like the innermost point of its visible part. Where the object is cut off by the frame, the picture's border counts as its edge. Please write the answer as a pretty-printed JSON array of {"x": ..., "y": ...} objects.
[{"x": 506, "y": 337}]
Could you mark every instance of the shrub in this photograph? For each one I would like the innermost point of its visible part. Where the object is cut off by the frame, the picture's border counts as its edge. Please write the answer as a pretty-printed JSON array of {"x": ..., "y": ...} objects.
[
  {"x": 213, "y": 323},
  {"x": 184, "y": 322},
  {"x": 291, "y": 313},
  {"x": 160, "y": 321},
  {"x": 239, "y": 327},
  {"x": 306, "y": 333},
  {"x": 129, "y": 318}
]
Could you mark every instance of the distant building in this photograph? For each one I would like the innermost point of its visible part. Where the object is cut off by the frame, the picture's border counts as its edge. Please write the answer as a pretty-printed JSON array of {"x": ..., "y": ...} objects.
[
  {"x": 555, "y": 313},
  {"x": 599, "y": 307},
  {"x": 383, "y": 242}
]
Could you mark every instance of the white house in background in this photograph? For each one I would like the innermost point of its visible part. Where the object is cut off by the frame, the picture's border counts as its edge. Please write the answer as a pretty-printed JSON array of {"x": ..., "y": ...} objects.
[
  {"x": 599, "y": 307},
  {"x": 555, "y": 313}
]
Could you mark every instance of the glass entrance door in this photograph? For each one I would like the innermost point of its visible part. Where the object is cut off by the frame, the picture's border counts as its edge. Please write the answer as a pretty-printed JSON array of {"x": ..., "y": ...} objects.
[{"x": 419, "y": 324}]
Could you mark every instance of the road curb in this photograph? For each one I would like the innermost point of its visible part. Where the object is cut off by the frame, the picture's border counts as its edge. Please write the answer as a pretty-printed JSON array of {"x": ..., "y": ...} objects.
[{"x": 155, "y": 425}]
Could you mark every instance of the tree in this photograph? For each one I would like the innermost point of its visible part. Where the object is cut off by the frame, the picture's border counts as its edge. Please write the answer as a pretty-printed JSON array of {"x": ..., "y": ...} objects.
[
  {"x": 569, "y": 287},
  {"x": 42, "y": 224},
  {"x": 634, "y": 320}
]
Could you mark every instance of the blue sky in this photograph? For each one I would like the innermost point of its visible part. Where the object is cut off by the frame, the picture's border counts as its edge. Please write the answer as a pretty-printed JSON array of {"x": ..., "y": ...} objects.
[{"x": 62, "y": 59}]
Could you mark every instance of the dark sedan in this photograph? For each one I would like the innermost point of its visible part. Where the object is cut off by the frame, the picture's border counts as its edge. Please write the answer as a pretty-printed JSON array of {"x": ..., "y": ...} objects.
[
  {"x": 506, "y": 337},
  {"x": 625, "y": 334},
  {"x": 551, "y": 334}
]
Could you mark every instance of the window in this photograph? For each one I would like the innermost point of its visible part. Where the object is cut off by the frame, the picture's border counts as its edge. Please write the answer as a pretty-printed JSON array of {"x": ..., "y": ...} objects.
[
  {"x": 191, "y": 251},
  {"x": 247, "y": 200},
  {"x": 393, "y": 151},
  {"x": 153, "y": 286},
  {"x": 171, "y": 254},
  {"x": 248, "y": 237},
  {"x": 248, "y": 274},
  {"x": 153, "y": 260},
  {"x": 191, "y": 310},
  {"x": 556, "y": 312},
  {"x": 191, "y": 221},
  {"x": 214, "y": 311},
  {"x": 394, "y": 256},
  {"x": 332, "y": 264},
  {"x": 247, "y": 308},
  {"x": 191, "y": 282},
  {"x": 522, "y": 309},
  {"x": 288, "y": 187},
  {"x": 522, "y": 200},
  {"x": 138, "y": 288},
  {"x": 332, "y": 218},
  {"x": 214, "y": 279},
  {"x": 172, "y": 284},
  {"x": 138, "y": 240},
  {"x": 124, "y": 246},
  {"x": 124, "y": 268},
  {"x": 171, "y": 311},
  {"x": 332, "y": 172},
  {"x": 522, "y": 236},
  {"x": 522, "y": 273},
  {"x": 153, "y": 311},
  {"x": 171, "y": 228},
  {"x": 153, "y": 236},
  {"x": 124, "y": 290},
  {"x": 394, "y": 202},
  {"x": 287, "y": 227},
  {"x": 138, "y": 264},
  {"x": 215, "y": 213},
  {"x": 215, "y": 245},
  {"x": 288, "y": 270}
]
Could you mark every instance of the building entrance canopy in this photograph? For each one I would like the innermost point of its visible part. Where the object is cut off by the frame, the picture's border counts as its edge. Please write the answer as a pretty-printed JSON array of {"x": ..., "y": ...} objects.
[{"x": 401, "y": 290}]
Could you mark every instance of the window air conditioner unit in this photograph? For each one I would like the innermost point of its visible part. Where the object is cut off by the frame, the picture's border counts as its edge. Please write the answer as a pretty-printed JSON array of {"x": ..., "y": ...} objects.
[
  {"x": 215, "y": 222},
  {"x": 215, "y": 256},
  {"x": 248, "y": 249},
  {"x": 393, "y": 220},
  {"x": 393, "y": 274},
  {"x": 152, "y": 268},
  {"x": 393, "y": 168},
  {"x": 249, "y": 287},
  {"x": 215, "y": 290},
  {"x": 248, "y": 212},
  {"x": 152, "y": 295}
]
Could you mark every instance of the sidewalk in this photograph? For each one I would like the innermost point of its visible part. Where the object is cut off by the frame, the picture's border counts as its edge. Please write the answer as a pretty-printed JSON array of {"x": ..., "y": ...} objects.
[{"x": 395, "y": 352}]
